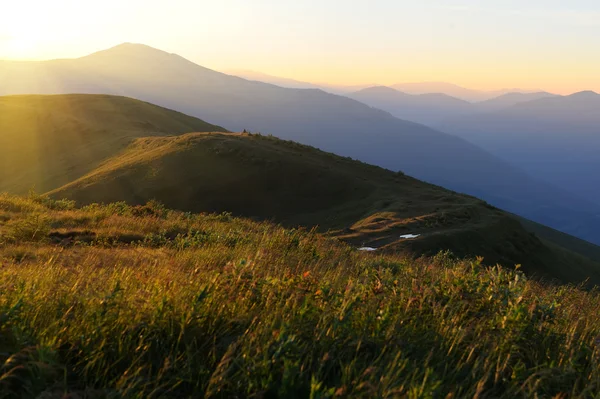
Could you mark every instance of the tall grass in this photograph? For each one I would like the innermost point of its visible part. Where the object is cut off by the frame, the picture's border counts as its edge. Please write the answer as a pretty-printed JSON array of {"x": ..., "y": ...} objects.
[{"x": 142, "y": 302}]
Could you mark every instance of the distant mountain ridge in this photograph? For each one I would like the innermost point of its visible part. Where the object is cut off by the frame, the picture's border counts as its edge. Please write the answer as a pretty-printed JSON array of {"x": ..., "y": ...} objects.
[
  {"x": 436, "y": 108},
  {"x": 556, "y": 139},
  {"x": 417, "y": 88},
  {"x": 422, "y": 108},
  {"x": 453, "y": 90},
  {"x": 511, "y": 99},
  {"x": 329, "y": 122},
  {"x": 275, "y": 80}
]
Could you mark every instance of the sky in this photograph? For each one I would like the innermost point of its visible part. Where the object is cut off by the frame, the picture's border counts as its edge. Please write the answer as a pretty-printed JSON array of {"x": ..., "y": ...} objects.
[{"x": 486, "y": 44}]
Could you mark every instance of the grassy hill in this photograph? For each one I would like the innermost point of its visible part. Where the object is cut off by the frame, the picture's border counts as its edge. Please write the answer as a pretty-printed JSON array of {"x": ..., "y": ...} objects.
[
  {"x": 267, "y": 178},
  {"x": 143, "y": 302},
  {"x": 571, "y": 243},
  {"x": 48, "y": 141}
]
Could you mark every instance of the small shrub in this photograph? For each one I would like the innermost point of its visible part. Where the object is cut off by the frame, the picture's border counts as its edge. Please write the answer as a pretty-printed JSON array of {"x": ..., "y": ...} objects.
[
  {"x": 44, "y": 200},
  {"x": 34, "y": 227}
]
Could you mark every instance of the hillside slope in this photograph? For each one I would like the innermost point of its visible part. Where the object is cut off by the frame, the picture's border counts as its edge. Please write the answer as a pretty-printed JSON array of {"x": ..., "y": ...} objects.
[
  {"x": 48, "y": 141},
  {"x": 266, "y": 178},
  {"x": 329, "y": 122},
  {"x": 561, "y": 239},
  {"x": 143, "y": 302}
]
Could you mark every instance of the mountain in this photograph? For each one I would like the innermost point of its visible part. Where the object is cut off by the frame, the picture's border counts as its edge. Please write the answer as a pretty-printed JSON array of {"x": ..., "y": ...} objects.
[
  {"x": 509, "y": 100},
  {"x": 427, "y": 109},
  {"x": 489, "y": 100},
  {"x": 47, "y": 141},
  {"x": 295, "y": 84},
  {"x": 554, "y": 237},
  {"x": 452, "y": 90},
  {"x": 329, "y": 122},
  {"x": 556, "y": 139},
  {"x": 344, "y": 90},
  {"x": 267, "y": 178},
  {"x": 436, "y": 108},
  {"x": 275, "y": 80}
]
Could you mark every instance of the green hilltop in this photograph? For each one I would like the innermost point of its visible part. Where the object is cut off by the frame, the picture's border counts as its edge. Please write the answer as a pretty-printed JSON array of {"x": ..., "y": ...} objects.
[{"x": 48, "y": 141}]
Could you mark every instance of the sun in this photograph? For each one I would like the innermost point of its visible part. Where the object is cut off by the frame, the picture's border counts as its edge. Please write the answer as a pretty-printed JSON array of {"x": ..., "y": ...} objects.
[
  {"x": 21, "y": 41},
  {"x": 21, "y": 46}
]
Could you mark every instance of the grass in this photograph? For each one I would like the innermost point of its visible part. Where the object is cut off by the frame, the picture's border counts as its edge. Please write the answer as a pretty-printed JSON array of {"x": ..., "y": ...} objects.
[
  {"x": 48, "y": 141},
  {"x": 115, "y": 301},
  {"x": 265, "y": 178}
]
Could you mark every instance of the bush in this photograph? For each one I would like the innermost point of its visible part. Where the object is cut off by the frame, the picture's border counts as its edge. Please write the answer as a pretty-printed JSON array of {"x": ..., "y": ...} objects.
[
  {"x": 44, "y": 200},
  {"x": 32, "y": 228}
]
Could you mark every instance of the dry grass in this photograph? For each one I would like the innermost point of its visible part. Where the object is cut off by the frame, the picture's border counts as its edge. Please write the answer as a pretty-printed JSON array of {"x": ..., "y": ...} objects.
[
  {"x": 216, "y": 306},
  {"x": 48, "y": 141},
  {"x": 265, "y": 178}
]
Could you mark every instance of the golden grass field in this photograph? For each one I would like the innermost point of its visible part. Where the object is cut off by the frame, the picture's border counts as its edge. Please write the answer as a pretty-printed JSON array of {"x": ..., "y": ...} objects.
[{"x": 143, "y": 302}]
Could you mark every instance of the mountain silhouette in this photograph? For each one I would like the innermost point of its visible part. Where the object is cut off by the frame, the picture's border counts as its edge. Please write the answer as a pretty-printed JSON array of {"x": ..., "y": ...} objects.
[
  {"x": 508, "y": 100},
  {"x": 427, "y": 109},
  {"x": 436, "y": 108},
  {"x": 453, "y": 90},
  {"x": 556, "y": 139}
]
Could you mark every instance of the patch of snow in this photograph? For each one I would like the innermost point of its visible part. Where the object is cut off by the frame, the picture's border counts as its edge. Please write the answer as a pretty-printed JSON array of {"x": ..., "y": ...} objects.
[
  {"x": 409, "y": 236},
  {"x": 369, "y": 249}
]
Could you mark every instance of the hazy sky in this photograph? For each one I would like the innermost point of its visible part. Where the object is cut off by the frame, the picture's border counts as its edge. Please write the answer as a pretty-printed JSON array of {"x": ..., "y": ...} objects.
[{"x": 488, "y": 44}]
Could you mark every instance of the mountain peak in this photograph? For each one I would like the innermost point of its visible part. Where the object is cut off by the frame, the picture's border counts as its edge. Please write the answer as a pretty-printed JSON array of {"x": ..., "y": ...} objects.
[
  {"x": 134, "y": 46},
  {"x": 135, "y": 58},
  {"x": 380, "y": 89},
  {"x": 129, "y": 49},
  {"x": 584, "y": 94}
]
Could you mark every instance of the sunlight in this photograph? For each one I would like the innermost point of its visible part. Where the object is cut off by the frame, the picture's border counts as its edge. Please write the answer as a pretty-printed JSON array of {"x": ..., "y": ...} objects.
[
  {"x": 23, "y": 41},
  {"x": 22, "y": 46}
]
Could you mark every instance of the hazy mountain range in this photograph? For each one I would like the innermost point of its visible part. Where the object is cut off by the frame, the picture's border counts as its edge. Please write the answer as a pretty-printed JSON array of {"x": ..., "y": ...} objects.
[
  {"x": 330, "y": 122},
  {"x": 433, "y": 109},
  {"x": 275, "y": 80},
  {"x": 422, "y": 108},
  {"x": 417, "y": 88},
  {"x": 455, "y": 90},
  {"x": 556, "y": 139},
  {"x": 427, "y": 103}
]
